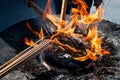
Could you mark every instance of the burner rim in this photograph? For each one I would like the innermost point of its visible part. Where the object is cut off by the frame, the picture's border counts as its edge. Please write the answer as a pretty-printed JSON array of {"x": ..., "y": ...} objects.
[{"x": 62, "y": 69}]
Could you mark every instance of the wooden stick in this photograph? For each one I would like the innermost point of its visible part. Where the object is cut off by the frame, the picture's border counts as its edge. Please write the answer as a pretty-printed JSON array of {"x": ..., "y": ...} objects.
[
  {"x": 63, "y": 10},
  {"x": 24, "y": 56}
]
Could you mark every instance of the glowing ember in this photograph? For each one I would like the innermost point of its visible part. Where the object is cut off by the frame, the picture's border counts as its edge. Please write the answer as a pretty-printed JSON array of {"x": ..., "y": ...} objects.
[{"x": 80, "y": 18}]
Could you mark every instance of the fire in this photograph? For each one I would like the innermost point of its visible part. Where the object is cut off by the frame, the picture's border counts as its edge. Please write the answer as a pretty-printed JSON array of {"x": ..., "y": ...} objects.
[
  {"x": 29, "y": 43},
  {"x": 96, "y": 48},
  {"x": 81, "y": 19},
  {"x": 40, "y": 34}
]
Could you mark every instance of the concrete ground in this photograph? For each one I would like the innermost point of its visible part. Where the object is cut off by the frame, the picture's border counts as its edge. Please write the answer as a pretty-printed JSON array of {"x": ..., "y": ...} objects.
[
  {"x": 112, "y": 10},
  {"x": 14, "y": 11}
]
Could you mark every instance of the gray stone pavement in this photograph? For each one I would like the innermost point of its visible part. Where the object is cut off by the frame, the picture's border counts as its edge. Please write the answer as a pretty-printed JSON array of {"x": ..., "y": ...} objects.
[{"x": 112, "y": 10}]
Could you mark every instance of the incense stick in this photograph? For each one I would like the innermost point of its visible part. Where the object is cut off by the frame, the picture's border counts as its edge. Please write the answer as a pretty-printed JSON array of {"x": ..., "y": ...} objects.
[
  {"x": 63, "y": 10},
  {"x": 23, "y": 57}
]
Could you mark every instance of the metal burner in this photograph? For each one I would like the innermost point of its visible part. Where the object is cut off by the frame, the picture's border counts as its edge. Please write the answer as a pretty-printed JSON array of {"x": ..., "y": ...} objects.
[{"x": 63, "y": 64}]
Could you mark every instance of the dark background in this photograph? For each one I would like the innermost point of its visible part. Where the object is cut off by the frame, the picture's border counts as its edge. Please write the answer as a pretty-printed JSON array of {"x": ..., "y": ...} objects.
[{"x": 14, "y": 11}]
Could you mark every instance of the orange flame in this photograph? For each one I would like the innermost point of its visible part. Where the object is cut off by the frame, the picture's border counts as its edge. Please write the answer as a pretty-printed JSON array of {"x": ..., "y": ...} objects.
[
  {"x": 79, "y": 17},
  {"x": 29, "y": 43},
  {"x": 48, "y": 9},
  {"x": 41, "y": 34},
  {"x": 66, "y": 45},
  {"x": 96, "y": 48}
]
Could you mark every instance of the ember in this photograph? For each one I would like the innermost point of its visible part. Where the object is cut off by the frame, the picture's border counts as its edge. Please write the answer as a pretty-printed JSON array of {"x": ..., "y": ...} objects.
[{"x": 90, "y": 41}]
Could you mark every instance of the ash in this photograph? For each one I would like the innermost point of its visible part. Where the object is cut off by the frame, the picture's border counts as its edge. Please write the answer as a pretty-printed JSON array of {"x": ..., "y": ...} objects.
[{"x": 105, "y": 68}]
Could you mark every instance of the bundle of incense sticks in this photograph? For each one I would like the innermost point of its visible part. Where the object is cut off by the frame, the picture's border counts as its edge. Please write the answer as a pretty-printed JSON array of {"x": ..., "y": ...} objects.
[{"x": 24, "y": 56}]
